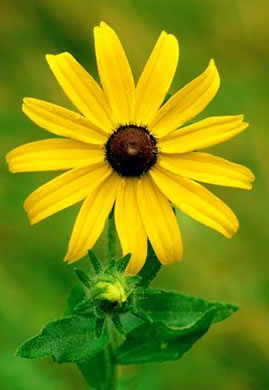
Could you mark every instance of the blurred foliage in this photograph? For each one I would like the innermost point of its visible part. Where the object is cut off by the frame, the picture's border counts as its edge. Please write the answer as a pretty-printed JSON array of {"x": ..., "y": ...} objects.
[{"x": 34, "y": 280}]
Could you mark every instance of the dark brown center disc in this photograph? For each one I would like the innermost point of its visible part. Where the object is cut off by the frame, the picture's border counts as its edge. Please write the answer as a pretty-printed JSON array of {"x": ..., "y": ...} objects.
[{"x": 131, "y": 150}]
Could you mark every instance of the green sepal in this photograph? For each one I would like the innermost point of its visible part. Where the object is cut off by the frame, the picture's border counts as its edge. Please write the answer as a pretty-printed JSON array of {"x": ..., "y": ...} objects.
[
  {"x": 70, "y": 339},
  {"x": 83, "y": 277},
  {"x": 118, "y": 324},
  {"x": 133, "y": 281},
  {"x": 86, "y": 306},
  {"x": 97, "y": 266},
  {"x": 122, "y": 263},
  {"x": 96, "y": 291},
  {"x": 141, "y": 316},
  {"x": 150, "y": 269},
  {"x": 99, "y": 326},
  {"x": 157, "y": 342},
  {"x": 111, "y": 267}
]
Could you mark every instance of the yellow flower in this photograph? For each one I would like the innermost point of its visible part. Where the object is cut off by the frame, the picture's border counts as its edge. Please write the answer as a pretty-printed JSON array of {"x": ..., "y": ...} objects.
[{"x": 127, "y": 149}]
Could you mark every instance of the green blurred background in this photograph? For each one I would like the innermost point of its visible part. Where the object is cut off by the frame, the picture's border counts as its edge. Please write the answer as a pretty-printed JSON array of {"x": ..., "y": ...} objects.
[{"x": 33, "y": 278}]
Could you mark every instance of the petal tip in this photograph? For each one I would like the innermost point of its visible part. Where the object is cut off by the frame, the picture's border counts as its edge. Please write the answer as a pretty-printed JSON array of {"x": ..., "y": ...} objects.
[
  {"x": 8, "y": 156},
  {"x": 212, "y": 66},
  {"x": 234, "y": 228},
  {"x": 27, "y": 209},
  {"x": 212, "y": 62},
  {"x": 67, "y": 259},
  {"x": 71, "y": 257},
  {"x": 49, "y": 57},
  {"x": 32, "y": 220},
  {"x": 103, "y": 24},
  {"x": 27, "y": 101},
  {"x": 11, "y": 167},
  {"x": 96, "y": 31},
  {"x": 231, "y": 232},
  {"x": 24, "y": 107},
  {"x": 172, "y": 37},
  {"x": 252, "y": 177}
]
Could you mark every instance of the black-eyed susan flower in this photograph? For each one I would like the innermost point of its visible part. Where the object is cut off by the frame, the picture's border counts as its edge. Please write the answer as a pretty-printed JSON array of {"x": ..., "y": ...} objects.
[{"x": 127, "y": 149}]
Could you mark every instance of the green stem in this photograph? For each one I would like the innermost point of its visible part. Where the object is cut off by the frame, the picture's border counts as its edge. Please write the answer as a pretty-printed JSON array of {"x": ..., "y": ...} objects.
[
  {"x": 113, "y": 366},
  {"x": 100, "y": 372},
  {"x": 111, "y": 237}
]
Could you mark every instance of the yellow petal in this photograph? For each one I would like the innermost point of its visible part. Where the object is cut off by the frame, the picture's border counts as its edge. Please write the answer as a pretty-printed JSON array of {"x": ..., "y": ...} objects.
[
  {"x": 129, "y": 225},
  {"x": 63, "y": 191},
  {"x": 81, "y": 89},
  {"x": 202, "y": 134},
  {"x": 53, "y": 154},
  {"x": 156, "y": 78},
  {"x": 160, "y": 222},
  {"x": 187, "y": 102},
  {"x": 196, "y": 201},
  {"x": 115, "y": 73},
  {"x": 63, "y": 122},
  {"x": 91, "y": 218},
  {"x": 208, "y": 169}
]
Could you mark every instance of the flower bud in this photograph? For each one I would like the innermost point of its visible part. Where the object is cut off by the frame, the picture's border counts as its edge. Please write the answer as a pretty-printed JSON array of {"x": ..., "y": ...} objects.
[{"x": 112, "y": 291}]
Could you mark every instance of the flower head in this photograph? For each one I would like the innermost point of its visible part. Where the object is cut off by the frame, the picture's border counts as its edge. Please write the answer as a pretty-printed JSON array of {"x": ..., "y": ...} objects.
[{"x": 129, "y": 149}]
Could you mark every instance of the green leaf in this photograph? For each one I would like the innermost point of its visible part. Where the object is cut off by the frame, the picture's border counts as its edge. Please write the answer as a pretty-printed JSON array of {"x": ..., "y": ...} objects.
[
  {"x": 175, "y": 322},
  {"x": 117, "y": 323},
  {"x": 131, "y": 321},
  {"x": 157, "y": 342},
  {"x": 70, "y": 339},
  {"x": 179, "y": 309},
  {"x": 150, "y": 269},
  {"x": 99, "y": 372}
]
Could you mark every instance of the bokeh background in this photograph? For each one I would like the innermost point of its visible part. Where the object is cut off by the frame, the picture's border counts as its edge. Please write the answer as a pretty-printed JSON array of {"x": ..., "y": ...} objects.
[{"x": 34, "y": 281}]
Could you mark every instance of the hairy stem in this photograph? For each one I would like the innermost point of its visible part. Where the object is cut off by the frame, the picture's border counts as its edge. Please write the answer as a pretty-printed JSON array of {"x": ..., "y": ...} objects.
[
  {"x": 111, "y": 237},
  {"x": 100, "y": 372}
]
